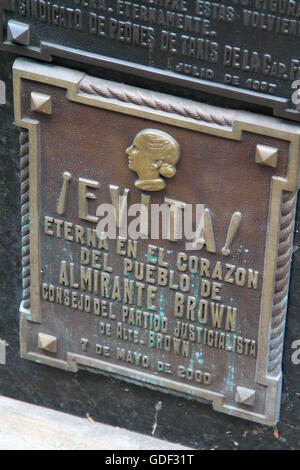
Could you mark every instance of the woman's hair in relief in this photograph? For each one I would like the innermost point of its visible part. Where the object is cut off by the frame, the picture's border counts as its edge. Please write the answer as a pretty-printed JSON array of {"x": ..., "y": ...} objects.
[{"x": 163, "y": 150}]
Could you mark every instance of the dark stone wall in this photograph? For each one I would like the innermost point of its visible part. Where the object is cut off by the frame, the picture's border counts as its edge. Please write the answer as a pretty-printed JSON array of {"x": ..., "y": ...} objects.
[{"x": 103, "y": 398}]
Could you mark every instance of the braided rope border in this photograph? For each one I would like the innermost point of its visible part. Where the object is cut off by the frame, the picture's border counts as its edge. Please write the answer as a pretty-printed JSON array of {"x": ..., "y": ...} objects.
[
  {"x": 25, "y": 227},
  {"x": 285, "y": 250},
  {"x": 146, "y": 99}
]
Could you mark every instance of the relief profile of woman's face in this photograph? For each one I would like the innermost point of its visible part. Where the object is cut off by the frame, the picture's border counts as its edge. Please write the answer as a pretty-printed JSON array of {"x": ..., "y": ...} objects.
[
  {"x": 137, "y": 157},
  {"x": 153, "y": 154}
]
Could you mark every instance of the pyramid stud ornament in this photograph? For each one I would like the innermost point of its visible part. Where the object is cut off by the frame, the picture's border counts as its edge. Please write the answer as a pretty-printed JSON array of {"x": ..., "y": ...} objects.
[
  {"x": 266, "y": 155},
  {"x": 47, "y": 342},
  {"x": 40, "y": 103},
  {"x": 245, "y": 396},
  {"x": 18, "y": 32}
]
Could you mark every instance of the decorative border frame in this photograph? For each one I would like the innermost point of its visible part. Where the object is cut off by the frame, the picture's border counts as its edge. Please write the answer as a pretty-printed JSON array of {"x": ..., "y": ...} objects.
[
  {"x": 48, "y": 50},
  {"x": 187, "y": 114}
]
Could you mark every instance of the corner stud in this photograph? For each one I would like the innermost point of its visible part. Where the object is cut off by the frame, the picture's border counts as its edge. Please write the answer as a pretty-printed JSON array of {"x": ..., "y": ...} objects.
[
  {"x": 266, "y": 155},
  {"x": 47, "y": 342},
  {"x": 40, "y": 103},
  {"x": 245, "y": 396},
  {"x": 18, "y": 32}
]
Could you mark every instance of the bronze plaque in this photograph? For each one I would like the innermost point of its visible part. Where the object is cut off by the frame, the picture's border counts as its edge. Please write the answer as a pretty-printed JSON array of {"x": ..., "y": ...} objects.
[
  {"x": 198, "y": 313},
  {"x": 246, "y": 50}
]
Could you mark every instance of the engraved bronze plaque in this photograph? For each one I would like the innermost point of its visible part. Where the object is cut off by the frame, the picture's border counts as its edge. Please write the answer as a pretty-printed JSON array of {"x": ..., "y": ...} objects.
[
  {"x": 246, "y": 50},
  {"x": 204, "y": 318}
]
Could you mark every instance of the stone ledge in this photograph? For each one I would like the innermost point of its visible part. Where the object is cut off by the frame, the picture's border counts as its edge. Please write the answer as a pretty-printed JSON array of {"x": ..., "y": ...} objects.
[{"x": 29, "y": 427}]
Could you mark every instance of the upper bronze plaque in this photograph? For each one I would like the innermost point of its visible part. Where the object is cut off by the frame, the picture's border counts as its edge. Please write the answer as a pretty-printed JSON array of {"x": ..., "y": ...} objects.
[
  {"x": 241, "y": 49},
  {"x": 120, "y": 274}
]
